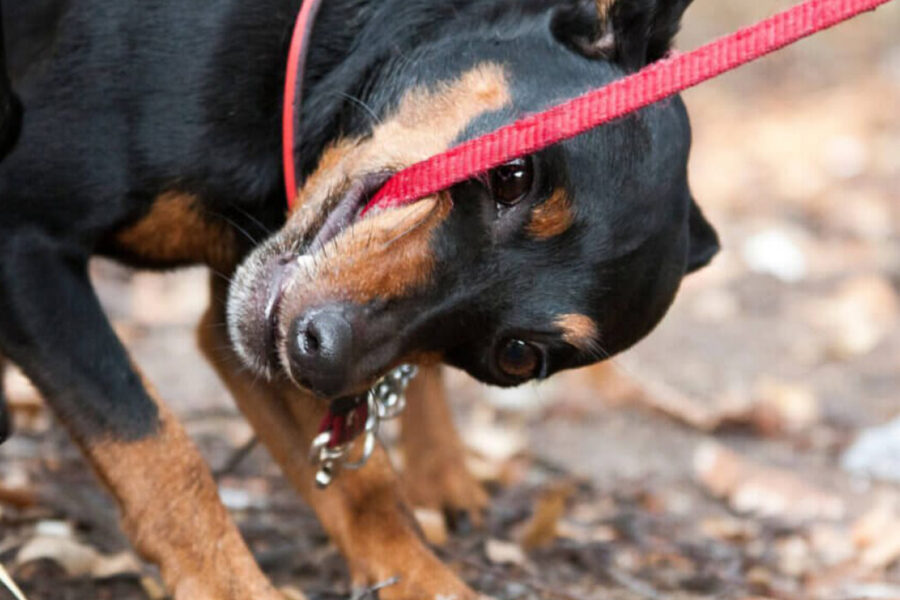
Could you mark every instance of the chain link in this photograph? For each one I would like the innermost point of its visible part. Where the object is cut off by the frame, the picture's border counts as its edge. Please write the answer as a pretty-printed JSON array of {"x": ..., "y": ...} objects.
[{"x": 386, "y": 400}]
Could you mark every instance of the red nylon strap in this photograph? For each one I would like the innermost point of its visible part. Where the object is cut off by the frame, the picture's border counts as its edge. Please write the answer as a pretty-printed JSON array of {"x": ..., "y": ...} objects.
[
  {"x": 293, "y": 94},
  {"x": 656, "y": 82}
]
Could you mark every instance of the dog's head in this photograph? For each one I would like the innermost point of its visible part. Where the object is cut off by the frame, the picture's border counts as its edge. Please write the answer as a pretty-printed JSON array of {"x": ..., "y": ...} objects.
[{"x": 550, "y": 262}]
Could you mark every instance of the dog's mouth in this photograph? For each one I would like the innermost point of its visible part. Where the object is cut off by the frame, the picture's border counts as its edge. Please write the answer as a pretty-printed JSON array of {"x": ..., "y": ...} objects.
[
  {"x": 317, "y": 304},
  {"x": 346, "y": 210}
]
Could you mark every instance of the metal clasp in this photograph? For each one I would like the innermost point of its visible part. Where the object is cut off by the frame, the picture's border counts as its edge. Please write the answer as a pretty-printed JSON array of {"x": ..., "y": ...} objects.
[{"x": 385, "y": 401}]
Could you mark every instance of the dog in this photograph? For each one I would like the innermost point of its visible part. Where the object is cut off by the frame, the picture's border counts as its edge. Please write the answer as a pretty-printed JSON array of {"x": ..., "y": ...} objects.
[{"x": 150, "y": 133}]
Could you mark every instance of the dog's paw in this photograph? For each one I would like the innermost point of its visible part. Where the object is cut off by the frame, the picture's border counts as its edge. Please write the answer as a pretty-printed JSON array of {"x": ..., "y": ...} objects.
[
  {"x": 447, "y": 486},
  {"x": 413, "y": 576}
]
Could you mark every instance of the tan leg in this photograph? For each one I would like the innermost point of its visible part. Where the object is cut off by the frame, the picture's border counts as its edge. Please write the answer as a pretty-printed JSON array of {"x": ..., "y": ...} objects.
[
  {"x": 363, "y": 511},
  {"x": 435, "y": 474},
  {"x": 172, "y": 513}
]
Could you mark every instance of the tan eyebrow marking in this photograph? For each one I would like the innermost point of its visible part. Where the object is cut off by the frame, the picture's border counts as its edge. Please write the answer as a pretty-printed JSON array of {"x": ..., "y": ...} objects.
[
  {"x": 552, "y": 217},
  {"x": 426, "y": 122},
  {"x": 578, "y": 330}
]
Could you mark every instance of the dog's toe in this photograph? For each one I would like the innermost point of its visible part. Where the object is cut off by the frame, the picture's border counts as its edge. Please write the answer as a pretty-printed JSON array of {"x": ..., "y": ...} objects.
[{"x": 452, "y": 489}]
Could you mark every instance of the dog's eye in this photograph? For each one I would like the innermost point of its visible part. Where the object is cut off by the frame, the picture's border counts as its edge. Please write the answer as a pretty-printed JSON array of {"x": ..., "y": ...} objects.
[
  {"x": 519, "y": 360},
  {"x": 511, "y": 182}
]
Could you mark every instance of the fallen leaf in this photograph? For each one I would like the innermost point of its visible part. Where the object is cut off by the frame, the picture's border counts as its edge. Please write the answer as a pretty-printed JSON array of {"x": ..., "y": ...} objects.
[
  {"x": 76, "y": 559},
  {"x": 291, "y": 593},
  {"x": 877, "y": 535},
  {"x": 115, "y": 565},
  {"x": 857, "y": 317},
  {"x": 762, "y": 490},
  {"x": 153, "y": 588},
  {"x": 540, "y": 530},
  {"x": 504, "y": 553},
  {"x": 794, "y": 556},
  {"x": 17, "y": 496},
  {"x": 788, "y": 406},
  {"x": 55, "y": 541},
  {"x": 493, "y": 442},
  {"x": 876, "y": 453},
  {"x": 777, "y": 252},
  {"x": 729, "y": 529}
]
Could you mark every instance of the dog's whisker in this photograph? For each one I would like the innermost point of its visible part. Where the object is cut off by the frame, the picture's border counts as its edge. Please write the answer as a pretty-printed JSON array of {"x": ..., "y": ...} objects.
[{"x": 375, "y": 119}]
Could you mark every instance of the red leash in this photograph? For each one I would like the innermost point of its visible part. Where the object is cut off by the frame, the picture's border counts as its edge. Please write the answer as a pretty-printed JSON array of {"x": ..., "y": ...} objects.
[
  {"x": 569, "y": 119},
  {"x": 293, "y": 95},
  {"x": 654, "y": 83}
]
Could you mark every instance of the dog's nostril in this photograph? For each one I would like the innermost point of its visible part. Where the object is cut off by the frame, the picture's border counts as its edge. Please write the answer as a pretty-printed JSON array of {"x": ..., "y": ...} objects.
[
  {"x": 320, "y": 354},
  {"x": 311, "y": 341}
]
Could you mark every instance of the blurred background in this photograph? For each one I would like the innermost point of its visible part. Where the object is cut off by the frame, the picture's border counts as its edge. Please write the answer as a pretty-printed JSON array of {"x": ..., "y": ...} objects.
[{"x": 750, "y": 447}]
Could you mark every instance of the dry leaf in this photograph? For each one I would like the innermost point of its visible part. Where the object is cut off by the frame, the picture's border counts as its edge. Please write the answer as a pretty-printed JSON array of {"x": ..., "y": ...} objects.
[
  {"x": 540, "y": 530},
  {"x": 116, "y": 565},
  {"x": 291, "y": 593},
  {"x": 788, "y": 406},
  {"x": 76, "y": 559},
  {"x": 858, "y": 316},
  {"x": 494, "y": 443},
  {"x": 877, "y": 535},
  {"x": 54, "y": 542},
  {"x": 17, "y": 496},
  {"x": 504, "y": 553},
  {"x": 876, "y": 453},
  {"x": 153, "y": 589},
  {"x": 760, "y": 490}
]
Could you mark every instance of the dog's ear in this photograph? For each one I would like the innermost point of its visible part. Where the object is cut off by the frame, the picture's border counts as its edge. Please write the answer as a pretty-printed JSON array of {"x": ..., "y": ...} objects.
[
  {"x": 703, "y": 240},
  {"x": 633, "y": 33}
]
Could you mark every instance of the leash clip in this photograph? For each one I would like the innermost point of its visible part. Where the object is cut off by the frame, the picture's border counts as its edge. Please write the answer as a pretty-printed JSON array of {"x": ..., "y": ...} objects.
[{"x": 384, "y": 401}]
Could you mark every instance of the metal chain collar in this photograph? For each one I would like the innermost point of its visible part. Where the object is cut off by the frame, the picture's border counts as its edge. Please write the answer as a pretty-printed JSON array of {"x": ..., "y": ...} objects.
[{"x": 385, "y": 400}]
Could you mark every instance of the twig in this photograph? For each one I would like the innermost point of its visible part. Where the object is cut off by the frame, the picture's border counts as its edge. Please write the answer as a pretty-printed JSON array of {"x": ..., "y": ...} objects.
[
  {"x": 236, "y": 458},
  {"x": 8, "y": 582},
  {"x": 370, "y": 592}
]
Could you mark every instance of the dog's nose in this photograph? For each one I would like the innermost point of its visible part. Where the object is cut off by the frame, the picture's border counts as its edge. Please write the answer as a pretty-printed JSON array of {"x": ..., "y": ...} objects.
[{"x": 320, "y": 346}]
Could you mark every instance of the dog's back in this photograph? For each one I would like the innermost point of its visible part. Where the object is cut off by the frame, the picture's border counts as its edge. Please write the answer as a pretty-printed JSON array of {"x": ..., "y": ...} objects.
[{"x": 10, "y": 107}]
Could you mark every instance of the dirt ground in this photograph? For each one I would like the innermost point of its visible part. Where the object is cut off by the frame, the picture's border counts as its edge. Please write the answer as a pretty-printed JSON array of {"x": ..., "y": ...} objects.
[{"x": 726, "y": 456}]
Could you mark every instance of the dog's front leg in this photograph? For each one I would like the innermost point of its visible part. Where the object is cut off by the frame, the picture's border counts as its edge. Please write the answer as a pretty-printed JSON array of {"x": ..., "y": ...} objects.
[
  {"x": 53, "y": 327},
  {"x": 363, "y": 511},
  {"x": 435, "y": 474}
]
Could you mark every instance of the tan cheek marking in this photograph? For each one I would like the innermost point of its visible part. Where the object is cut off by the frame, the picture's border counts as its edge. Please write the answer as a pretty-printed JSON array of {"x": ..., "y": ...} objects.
[
  {"x": 425, "y": 123},
  {"x": 552, "y": 217},
  {"x": 386, "y": 256},
  {"x": 578, "y": 330},
  {"x": 175, "y": 231}
]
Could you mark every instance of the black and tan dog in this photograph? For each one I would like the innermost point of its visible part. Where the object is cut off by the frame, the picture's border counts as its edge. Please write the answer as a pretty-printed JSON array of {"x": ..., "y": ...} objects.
[{"x": 151, "y": 133}]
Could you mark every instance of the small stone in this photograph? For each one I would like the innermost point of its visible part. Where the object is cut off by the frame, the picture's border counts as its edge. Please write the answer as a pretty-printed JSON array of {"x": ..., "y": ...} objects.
[
  {"x": 846, "y": 156},
  {"x": 504, "y": 553},
  {"x": 794, "y": 406},
  {"x": 776, "y": 252},
  {"x": 794, "y": 557},
  {"x": 876, "y": 453}
]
